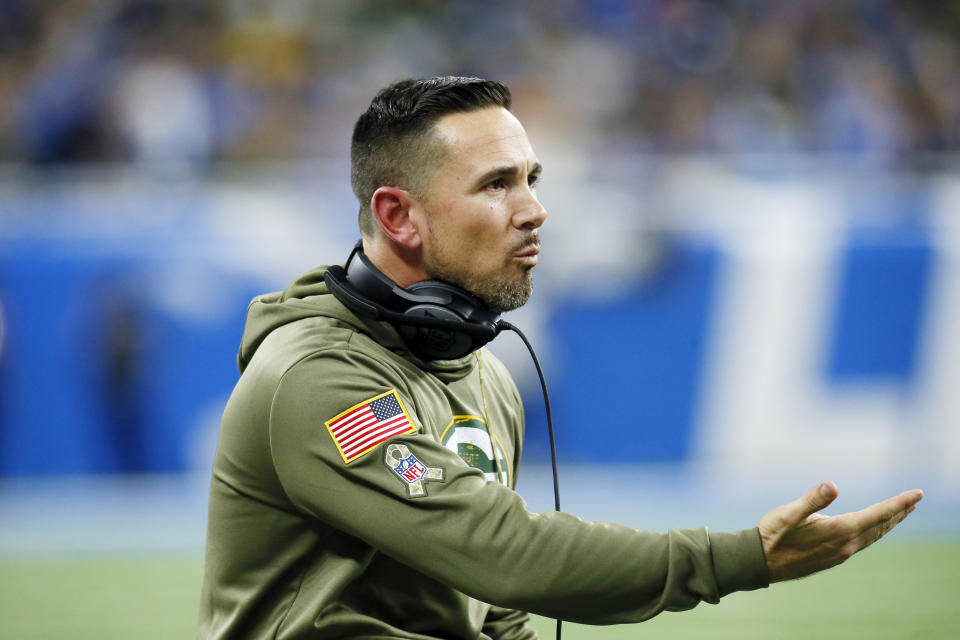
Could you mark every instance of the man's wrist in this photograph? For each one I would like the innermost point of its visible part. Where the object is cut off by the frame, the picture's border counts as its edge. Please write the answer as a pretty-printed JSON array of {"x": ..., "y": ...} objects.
[{"x": 738, "y": 561}]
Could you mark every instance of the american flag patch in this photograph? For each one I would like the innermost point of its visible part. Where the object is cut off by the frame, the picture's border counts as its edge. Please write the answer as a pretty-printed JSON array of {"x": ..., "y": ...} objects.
[{"x": 361, "y": 428}]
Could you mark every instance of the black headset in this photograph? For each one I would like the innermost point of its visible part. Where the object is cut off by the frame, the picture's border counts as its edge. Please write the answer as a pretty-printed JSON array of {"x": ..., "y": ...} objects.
[{"x": 437, "y": 320}]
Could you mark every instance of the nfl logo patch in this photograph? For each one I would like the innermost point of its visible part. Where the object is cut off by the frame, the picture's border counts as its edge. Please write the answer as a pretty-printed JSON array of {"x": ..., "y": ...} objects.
[{"x": 410, "y": 469}]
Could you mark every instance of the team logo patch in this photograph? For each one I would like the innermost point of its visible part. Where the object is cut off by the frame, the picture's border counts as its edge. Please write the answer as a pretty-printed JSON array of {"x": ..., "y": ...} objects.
[
  {"x": 469, "y": 438},
  {"x": 359, "y": 429},
  {"x": 410, "y": 469}
]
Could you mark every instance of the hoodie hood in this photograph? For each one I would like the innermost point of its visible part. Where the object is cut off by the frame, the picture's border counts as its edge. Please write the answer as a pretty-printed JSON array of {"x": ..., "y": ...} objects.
[{"x": 309, "y": 297}]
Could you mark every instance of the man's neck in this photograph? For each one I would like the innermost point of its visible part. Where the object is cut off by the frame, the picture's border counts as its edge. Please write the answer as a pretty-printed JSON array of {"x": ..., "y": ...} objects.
[{"x": 403, "y": 266}]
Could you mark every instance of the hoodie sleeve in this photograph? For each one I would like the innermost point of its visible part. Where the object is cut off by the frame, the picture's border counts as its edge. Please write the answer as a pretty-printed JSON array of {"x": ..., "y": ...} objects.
[
  {"x": 419, "y": 503},
  {"x": 508, "y": 624}
]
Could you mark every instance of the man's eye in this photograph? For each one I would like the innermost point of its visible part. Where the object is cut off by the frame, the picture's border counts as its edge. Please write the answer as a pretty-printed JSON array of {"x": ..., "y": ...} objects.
[
  {"x": 533, "y": 181},
  {"x": 499, "y": 183}
]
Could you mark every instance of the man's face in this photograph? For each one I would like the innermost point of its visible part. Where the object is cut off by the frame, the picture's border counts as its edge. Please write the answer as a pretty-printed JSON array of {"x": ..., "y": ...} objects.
[{"x": 482, "y": 213}]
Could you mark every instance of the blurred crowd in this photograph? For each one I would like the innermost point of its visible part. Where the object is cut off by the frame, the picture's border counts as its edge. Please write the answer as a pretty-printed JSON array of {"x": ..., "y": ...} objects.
[{"x": 198, "y": 83}]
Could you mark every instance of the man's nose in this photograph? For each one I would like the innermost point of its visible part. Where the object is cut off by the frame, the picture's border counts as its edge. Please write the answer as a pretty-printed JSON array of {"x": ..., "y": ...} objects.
[{"x": 531, "y": 215}]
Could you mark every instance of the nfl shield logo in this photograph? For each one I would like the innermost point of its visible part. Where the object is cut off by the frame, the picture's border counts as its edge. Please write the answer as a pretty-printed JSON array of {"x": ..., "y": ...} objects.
[{"x": 410, "y": 469}]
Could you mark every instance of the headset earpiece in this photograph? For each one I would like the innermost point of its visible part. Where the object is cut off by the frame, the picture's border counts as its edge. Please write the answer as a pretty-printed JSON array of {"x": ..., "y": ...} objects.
[{"x": 437, "y": 320}]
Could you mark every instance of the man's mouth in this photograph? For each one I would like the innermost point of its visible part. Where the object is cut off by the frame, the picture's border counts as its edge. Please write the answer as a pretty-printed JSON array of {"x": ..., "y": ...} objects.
[{"x": 528, "y": 255}]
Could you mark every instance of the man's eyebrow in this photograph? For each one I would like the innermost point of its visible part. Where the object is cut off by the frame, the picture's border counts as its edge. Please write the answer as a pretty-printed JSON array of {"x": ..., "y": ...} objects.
[{"x": 508, "y": 171}]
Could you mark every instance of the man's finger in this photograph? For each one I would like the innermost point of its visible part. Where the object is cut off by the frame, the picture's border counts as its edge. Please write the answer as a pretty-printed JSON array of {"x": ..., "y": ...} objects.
[
  {"x": 876, "y": 521},
  {"x": 881, "y": 512},
  {"x": 873, "y": 534}
]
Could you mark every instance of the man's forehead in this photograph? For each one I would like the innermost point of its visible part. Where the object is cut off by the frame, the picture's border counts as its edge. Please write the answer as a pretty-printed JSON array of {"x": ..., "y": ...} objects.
[{"x": 493, "y": 132}]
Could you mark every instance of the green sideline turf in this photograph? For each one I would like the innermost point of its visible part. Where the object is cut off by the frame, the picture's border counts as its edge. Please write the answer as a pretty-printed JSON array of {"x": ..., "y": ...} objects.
[{"x": 901, "y": 589}]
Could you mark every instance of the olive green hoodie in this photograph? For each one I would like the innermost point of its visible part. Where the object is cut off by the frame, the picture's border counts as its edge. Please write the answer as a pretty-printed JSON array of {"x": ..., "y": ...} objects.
[{"x": 413, "y": 530}]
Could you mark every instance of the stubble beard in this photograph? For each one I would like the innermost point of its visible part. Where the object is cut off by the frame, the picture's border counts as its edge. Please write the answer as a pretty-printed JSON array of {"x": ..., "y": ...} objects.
[{"x": 505, "y": 291}]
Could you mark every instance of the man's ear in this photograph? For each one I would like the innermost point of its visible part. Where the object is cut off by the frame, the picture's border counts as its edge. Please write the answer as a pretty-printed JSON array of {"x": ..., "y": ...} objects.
[{"x": 391, "y": 208}]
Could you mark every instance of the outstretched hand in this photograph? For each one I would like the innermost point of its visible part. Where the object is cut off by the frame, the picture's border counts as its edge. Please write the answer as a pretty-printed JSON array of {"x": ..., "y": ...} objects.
[{"x": 799, "y": 541}]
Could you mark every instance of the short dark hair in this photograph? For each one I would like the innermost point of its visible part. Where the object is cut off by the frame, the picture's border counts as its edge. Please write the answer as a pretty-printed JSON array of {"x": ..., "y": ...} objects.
[{"x": 390, "y": 145}]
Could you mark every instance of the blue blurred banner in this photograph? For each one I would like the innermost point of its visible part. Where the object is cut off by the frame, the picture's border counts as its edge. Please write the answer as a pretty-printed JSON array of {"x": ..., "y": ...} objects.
[
  {"x": 633, "y": 364},
  {"x": 773, "y": 317},
  {"x": 99, "y": 376},
  {"x": 880, "y": 305}
]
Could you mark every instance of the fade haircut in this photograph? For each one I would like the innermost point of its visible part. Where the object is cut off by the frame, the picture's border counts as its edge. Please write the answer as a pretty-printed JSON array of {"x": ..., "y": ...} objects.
[{"x": 392, "y": 145}]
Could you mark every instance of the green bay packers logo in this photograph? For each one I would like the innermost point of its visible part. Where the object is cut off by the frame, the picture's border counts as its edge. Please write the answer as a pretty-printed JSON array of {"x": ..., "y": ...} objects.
[{"x": 469, "y": 438}]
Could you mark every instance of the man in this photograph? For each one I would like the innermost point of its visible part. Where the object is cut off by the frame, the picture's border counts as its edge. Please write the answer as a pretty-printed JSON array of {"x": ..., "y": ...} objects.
[{"x": 363, "y": 491}]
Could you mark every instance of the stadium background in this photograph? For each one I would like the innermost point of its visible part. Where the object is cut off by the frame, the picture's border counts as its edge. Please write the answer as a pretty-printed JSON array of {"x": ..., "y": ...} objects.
[{"x": 750, "y": 278}]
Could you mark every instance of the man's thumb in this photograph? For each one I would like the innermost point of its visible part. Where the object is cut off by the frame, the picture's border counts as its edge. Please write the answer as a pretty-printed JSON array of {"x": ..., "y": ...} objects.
[
  {"x": 776, "y": 523},
  {"x": 817, "y": 498}
]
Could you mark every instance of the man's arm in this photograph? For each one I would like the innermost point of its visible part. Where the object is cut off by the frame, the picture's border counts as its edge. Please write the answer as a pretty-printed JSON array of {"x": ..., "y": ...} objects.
[
  {"x": 478, "y": 537},
  {"x": 798, "y": 541}
]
